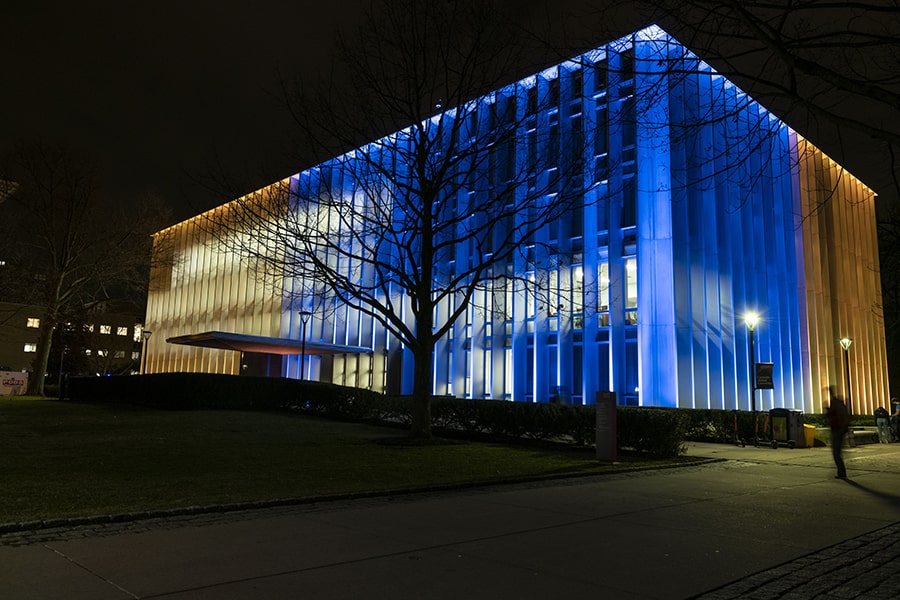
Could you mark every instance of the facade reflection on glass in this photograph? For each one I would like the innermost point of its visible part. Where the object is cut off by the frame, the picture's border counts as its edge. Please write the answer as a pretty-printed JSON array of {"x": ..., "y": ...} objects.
[{"x": 699, "y": 207}]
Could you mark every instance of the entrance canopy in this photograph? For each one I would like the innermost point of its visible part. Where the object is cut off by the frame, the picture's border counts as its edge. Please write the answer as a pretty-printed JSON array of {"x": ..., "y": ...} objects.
[{"x": 241, "y": 342}]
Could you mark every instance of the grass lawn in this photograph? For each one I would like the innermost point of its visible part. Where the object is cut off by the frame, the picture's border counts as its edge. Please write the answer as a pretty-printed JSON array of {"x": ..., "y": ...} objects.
[{"x": 63, "y": 459}]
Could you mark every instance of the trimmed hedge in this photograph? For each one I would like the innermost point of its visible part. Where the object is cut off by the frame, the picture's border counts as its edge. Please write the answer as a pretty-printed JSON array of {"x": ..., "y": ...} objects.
[
  {"x": 204, "y": 390},
  {"x": 658, "y": 431}
]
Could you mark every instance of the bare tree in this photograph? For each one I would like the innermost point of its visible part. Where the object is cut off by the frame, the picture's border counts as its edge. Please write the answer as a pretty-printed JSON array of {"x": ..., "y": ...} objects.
[
  {"x": 65, "y": 245},
  {"x": 409, "y": 228}
]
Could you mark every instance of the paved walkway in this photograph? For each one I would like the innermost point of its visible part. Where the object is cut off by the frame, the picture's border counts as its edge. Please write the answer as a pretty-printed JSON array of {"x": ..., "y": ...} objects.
[{"x": 760, "y": 523}]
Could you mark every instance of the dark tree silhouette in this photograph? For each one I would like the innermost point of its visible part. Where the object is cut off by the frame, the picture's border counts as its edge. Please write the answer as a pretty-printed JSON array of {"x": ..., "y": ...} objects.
[
  {"x": 64, "y": 245},
  {"x": 410, "y": 228}
]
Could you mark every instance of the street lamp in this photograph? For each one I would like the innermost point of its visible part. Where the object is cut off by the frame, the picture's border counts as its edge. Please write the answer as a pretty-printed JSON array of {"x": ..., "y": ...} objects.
[
  {"x": 845, "y": 344},
  {"x": 304, "y": 319},
  {"x": 62, "y": 358},
  {"x": 145, "y": 337},
  {"x": 751, "y": 319}
]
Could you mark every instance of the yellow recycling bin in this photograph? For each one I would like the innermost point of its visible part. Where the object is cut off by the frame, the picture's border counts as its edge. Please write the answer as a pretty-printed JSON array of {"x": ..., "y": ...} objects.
[{"x": 809, "y": 434}]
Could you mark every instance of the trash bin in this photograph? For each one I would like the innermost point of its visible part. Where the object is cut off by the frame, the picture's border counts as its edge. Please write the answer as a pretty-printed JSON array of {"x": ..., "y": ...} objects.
[
  {"x": 809, "y": 434},
  {"x": 787, "y": 427}
]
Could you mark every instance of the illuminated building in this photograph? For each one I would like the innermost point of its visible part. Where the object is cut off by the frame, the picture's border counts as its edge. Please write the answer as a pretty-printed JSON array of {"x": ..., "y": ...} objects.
[{"x": 698, "y": 207}]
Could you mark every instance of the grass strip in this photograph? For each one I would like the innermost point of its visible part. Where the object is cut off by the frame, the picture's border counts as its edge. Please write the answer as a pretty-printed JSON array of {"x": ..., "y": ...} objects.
[{"x": 66, "y": 460}]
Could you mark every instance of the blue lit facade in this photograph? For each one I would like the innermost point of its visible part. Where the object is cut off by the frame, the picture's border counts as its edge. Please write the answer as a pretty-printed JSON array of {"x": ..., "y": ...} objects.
[{"x": 698, "y": 207}]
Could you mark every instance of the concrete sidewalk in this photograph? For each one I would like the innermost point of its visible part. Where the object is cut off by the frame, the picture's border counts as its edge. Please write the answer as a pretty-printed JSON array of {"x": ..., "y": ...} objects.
[{"x": 722, "y": 529}]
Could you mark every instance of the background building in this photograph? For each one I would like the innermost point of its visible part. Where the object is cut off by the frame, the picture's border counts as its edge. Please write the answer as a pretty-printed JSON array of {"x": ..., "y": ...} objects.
[
  {"x": 106, "y": 340},
  {"x": 697, "y": 207}
]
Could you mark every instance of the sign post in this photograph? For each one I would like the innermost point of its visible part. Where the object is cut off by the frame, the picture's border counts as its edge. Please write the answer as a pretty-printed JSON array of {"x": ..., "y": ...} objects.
[
  {"x": 13, "y": 383},
  {"x": 764, "y": 376},
  {"x": 605, "y": 432}
]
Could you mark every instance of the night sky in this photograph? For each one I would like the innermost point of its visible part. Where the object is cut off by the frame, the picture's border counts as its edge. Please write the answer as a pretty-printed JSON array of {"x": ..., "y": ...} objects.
[{"x": 161, "y": 94}]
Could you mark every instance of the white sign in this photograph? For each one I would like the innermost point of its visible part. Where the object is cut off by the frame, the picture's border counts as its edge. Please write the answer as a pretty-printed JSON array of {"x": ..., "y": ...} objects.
[{"x": 13, "y": 383}]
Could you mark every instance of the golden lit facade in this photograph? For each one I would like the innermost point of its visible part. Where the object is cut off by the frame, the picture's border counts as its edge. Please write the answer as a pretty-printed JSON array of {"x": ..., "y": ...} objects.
[{"x": 686, "y": 228}]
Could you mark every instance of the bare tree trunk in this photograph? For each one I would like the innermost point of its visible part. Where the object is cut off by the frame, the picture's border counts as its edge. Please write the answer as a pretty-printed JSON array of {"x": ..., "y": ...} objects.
[
  {"x": 421, "y": 401},
  {"x": 39, "y": 369}
]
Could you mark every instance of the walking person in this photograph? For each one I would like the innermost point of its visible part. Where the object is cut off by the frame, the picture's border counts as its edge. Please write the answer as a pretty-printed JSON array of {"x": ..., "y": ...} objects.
[
  {"x": 839, "y": 422},
  {"x": 882, "y": 422},
  {"x": 895, "y": 420}
]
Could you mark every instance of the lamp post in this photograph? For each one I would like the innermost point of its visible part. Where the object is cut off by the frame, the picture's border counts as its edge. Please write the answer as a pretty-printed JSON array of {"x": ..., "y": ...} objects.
[
  {"x": 845, "y": 344},
  {"x": 60, "y": 381},
  {"x": 751, "y": 319},
  {"x": 304, "y": 319},
  {"x": 62, "y": 358},
  {"x": 145, "y": 337}
]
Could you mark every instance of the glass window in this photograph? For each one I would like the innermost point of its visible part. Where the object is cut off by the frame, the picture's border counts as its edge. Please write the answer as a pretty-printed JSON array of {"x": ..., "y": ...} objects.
[
  {"x": 121, "y": 331},
  {"x": 529, "y": 371},
  {"x": 508, "y": 373},
  {"x": 467, "y": 390},
  {"x": 577, "y": 83},
  {"x": 601, "y": 171},
  {"x": 577, "y": 291},
  {"x": 120, "y": 354},
  {"x": 576, "y": 148},
  {"x": 600, "y": 76},
  {"x": 135, "y": 355},
  {"x": 603, "y": 366},
  {"x": 532, "y": 157},
  {"x": 33, "y": 323},
  {"x": 603, "y": 287},
  {"x": 488, "y": 373},
  {"x": 601, "y": 131},
  {"x": 577, "y": 373},
  {"x": 631, "y": 283},
  {"x": 553, "y": 368},
  {"x": 629, "y": 124},
  {"x": 530, "y": 296},
  {"x": 138, "y": 332},
  {"x": 627, "y": 63},
  {"x": 553, "y": 146},
  {"x": 509, "y": 113},
  {"x": 30, "y": 347},
  {"x": 106, "y": 329},
  {"x": 553, "y": 294},
  {"x": 631, "y": 373},
  {"x": 629, "y": 202},
  {"x": 102, "y": 352},
  {"x": 553, "y": 94}
]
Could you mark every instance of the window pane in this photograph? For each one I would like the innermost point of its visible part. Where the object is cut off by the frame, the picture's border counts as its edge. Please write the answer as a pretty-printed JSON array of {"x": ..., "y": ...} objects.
[
  {"x": 601, "y": 131},
  {"x": 577, "y": 289},
  {"x": 603, "y": 288},
  {"x": 600, "y": 76},
  {"x": 629, "y": 202},
  {"x": 631, "y": 283},
  {"x": 629, "y": 125}
]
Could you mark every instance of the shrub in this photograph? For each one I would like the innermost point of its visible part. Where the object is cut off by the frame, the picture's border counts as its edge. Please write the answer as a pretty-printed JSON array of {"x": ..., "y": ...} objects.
[
  {"x": 659, "y": 431},
  {"x": 653, "y": 430}
]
